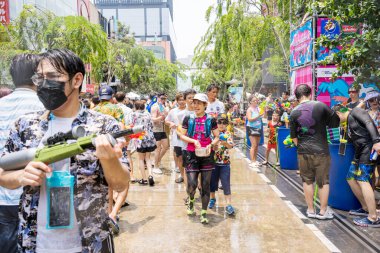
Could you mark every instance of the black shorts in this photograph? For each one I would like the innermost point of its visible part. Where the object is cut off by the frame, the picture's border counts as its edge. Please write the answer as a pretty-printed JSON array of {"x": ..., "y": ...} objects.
[
  {"x": 197, "y": 164},
  {"x": 253, "y": 131},
  {"x": 160, "y": 136},
  {"x": 146, "y": 150},
  {"x": 108, "y": 245},
  {"x": 8, "y": 228},
  {"x": 178, "y": 151}
]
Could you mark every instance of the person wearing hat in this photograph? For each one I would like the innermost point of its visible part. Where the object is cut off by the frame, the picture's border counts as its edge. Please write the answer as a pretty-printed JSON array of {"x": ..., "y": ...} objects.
[
  {"x": 107, "y": 107},
  {"x": 222, "y": 169},
  {"x": 366, "y": 139},
  {"x": 353, "y": 101},
  {"x": 196, "y": 131}
]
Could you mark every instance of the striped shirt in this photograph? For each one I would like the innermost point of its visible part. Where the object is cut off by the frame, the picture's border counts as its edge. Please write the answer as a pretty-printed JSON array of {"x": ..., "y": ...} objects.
[{"x": 16, "y": 104}]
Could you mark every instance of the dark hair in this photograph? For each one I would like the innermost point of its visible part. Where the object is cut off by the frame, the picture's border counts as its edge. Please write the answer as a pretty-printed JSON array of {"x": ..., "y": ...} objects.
[
  {"x": 139, "y": 105},
  {"x": 227, "y": 107},
  {"x": 188, "y": 92},
  {"x": 95, "y": 100},
  {"x": 87, "y": 103},
  {"x": 340, "y": 108},
  {"x": 64, "y": 60},
  {"x": 286, "y": 93},
  {"x": 278, "y": 112},
  {"x": 120, "y": 96},
  {"x": 23, "y": 67},
  {"x": 178, "y": 96},
  {"x": 212, "y": 86},
  {"x": 303, "y": 90}
]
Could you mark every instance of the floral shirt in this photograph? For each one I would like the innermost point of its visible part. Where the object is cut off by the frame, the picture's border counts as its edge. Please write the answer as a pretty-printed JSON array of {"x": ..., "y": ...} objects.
[
  {"x": 143, "y": 118},
  {"x": 272, "y": 139},
  {"x": 222, "y": 155},
  {"x": 375, "y": 116},
  {"x": 108, "y": 108},
  {"x": 90, "y": 188}
]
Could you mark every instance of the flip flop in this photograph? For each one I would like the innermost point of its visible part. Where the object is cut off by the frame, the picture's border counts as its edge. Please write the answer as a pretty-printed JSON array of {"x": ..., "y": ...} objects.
[{"x": 113, "y": 226}]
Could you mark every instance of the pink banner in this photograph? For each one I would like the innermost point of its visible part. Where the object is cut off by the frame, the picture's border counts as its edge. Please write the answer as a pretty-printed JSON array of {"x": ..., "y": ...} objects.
[
  {"x": 332, "y": 92},
  {"x": 301, "y": 76}
]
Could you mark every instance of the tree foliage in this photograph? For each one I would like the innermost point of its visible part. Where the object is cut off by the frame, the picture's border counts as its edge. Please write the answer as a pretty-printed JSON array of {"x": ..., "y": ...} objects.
[
  {"x": 360, "y": 53},
  {"x": 235, "y": 43},
  {"x": 36, "y": 31}
]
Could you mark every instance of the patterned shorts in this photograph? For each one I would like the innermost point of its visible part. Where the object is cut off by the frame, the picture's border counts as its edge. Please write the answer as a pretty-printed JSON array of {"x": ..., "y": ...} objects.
[{"x": 361, "y": 172}]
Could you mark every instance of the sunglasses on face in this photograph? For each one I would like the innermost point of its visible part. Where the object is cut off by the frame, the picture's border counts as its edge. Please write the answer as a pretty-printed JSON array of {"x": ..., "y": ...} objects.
[
  {"x": 352, "y": 92},
  {"x": 372, "y": 100}
]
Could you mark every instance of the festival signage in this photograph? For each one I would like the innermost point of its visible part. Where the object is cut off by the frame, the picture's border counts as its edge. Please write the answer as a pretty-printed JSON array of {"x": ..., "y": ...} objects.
[
  {"x": 301, "y": 46},
  {"x": 332, "y": 92},
  {"x": 301, "y": 76},
  {"x": 4, "y": 12},
  {"x": 332, "y": 29}
]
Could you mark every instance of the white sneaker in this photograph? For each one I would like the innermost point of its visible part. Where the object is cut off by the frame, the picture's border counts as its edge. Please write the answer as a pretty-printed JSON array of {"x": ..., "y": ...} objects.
[
  {"x": 177, "y": 170},
  {"x": 157, "y": 171},
  {"x": 258, "y": 163},
  {"x": 311, "y": 214},
  {"x": 328, "y": 215},
  {"x": 278, "y": 164}
]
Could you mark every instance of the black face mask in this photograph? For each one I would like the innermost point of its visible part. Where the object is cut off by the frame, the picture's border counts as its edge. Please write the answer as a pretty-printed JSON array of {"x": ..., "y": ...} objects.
[{"x": 52, "y": 94}]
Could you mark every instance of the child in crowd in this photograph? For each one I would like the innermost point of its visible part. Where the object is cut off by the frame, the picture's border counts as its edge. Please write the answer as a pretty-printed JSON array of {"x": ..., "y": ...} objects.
[
  {"x": 222, "y": 166},
  {"x": 272, "y": 140}
]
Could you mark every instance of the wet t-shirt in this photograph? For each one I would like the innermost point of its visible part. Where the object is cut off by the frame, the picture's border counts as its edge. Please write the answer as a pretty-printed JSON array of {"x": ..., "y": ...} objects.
[
  {"x": 200, "y": 131},
  {"x": 308, "y": 122}
]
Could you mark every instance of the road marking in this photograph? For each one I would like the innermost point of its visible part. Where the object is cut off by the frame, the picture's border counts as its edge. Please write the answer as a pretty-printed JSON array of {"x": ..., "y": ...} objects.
[
  {"x": 323, "y": 238},
  {"x": 295, "y": 209},
  {"x": 277, "y": 191},
  {"x": 264, "y": 178}
]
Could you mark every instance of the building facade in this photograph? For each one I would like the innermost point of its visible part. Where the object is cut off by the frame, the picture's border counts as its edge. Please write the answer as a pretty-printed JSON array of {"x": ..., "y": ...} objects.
[{"x": 150, "y": 21}]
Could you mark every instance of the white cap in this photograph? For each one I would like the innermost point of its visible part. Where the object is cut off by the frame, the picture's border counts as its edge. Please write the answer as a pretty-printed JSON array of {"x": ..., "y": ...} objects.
[{"x": 201, "y": 97}]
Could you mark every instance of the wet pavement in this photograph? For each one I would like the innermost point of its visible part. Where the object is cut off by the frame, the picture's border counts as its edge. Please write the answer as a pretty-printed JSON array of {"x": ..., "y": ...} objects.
[{"x": 156, "y": 220}]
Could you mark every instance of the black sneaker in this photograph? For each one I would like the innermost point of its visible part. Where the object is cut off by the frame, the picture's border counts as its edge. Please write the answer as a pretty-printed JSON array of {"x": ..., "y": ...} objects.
[
  {"x": 151, "y": 181},
  {"x": 143, "y": 182}
]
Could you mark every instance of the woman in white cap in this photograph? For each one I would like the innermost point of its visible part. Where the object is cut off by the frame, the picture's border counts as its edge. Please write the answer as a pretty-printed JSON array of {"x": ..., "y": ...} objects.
[{"x": 196, "y": 131}]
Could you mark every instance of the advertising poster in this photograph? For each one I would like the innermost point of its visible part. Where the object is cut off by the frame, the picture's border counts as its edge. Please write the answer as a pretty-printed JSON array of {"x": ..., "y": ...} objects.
[
  {"x": 236, "y": 94},
  {"x": 332, "y": 92},
  {"x": 301, "y": 46},
  {"x": 301, "y": 76},
  {"x": 332, "y": 29},
  {"x": 4, "y": 12}
]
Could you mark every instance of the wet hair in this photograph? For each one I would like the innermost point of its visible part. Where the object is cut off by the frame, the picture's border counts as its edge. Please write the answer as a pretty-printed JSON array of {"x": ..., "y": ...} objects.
[
  {"x": 278, "y": 112},
  {"x": 64, "y": 60},
  {"x": 120, "y": 96},
  {"x": 188, "y": 92},
  {"x": 95, "y": 100},
  {"x": 286, "y": 93},
  {"x": 139, "y": 105},
  {"x": 87, "y": 103},
  {"x": 178, "y": 96},
  {"x": 23, "y": 67},
  {"x": 227, "y": 107},
  {"x": 161, "y": 94},
  {"x": 212, "y": 86},
  {"x": 303, "y": 90}
]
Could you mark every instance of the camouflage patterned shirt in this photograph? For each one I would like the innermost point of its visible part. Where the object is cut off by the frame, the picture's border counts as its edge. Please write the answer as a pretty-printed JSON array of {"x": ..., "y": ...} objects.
[{"x": 90, "y": 189}]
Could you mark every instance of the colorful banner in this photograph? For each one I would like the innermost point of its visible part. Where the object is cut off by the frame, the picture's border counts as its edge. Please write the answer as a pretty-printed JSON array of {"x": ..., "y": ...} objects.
[
  {"x": 332, "y": 29},
  {"x": 4, "y": 12},
  {"x": 236, "y": 94},
  {"x": 301, "y": 46},
  {"x": 301, "y": 76},
  {"x": 332, "y": 92}
]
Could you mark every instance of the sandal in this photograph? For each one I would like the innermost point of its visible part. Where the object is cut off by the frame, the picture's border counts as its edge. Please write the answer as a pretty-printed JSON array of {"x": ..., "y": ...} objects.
[
  {"x": 143, "y": 182},
  {"x": 134, "y": 180},
  {"x": 113, "y": 226}
]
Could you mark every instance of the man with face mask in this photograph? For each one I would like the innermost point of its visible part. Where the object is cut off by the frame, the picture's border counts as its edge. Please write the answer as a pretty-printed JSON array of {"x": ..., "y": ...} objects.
[{"x": 58, "y": 79}]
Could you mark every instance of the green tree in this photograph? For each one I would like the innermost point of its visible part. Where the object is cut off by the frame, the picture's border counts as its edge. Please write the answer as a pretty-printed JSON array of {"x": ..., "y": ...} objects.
[{"x": 360, "y": 52}]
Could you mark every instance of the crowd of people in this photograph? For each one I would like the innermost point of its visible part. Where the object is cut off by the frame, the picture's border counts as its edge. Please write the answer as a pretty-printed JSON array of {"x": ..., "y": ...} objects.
[
  {"x": 47, "y": 101},
  {"x": 199, "y": 127}
]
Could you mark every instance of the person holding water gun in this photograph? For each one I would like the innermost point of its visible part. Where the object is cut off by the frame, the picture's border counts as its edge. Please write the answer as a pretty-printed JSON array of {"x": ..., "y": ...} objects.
[
  {"x": 222, "y": 169},
  {"x": 272, "y": 140}
]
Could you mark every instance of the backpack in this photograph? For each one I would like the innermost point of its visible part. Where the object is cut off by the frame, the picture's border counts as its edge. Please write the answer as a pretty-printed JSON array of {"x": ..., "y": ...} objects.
[
  {"x": 191, "y": 127},
  {"x": 152, "y": 102}
]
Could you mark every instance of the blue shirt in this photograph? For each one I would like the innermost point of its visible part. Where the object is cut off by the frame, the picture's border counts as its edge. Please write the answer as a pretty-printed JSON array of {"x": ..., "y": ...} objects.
[
  {"x": 257, "y": 123},
  {"x": 16, "y": 104}
]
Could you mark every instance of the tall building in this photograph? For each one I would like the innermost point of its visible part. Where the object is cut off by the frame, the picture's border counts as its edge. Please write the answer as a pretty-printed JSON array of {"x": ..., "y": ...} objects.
[{"x": 150, "y": 21}]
